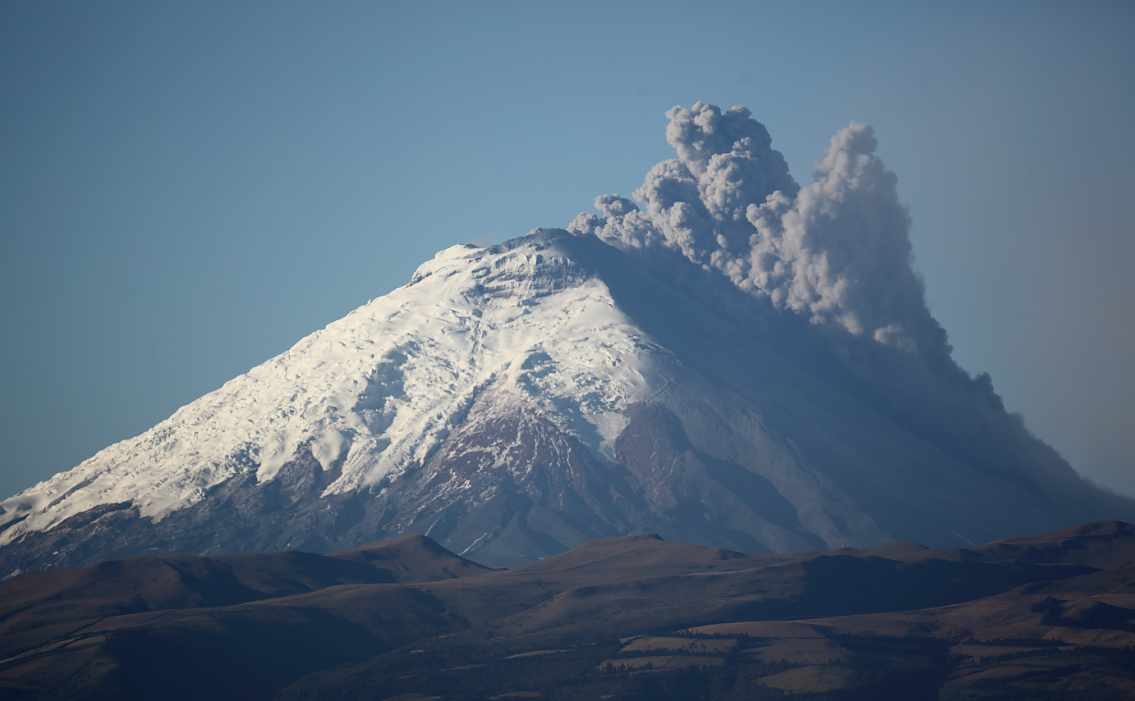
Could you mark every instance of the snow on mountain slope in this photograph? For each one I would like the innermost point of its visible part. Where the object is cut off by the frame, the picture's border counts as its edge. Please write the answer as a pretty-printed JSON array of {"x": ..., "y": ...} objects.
[{"x": 383, "y": 386}]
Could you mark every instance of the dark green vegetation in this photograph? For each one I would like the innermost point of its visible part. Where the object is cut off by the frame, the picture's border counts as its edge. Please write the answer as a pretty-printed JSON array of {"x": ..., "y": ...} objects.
[{"x": 1049, "y": 616}]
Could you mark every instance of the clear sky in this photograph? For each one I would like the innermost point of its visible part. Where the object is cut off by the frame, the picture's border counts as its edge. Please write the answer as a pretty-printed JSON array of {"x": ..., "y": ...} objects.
[{"x": 187, "y": 189}]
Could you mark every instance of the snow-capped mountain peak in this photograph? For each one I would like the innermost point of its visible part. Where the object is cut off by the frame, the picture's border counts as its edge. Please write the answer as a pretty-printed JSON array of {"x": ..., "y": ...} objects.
[
  {"x": 744, "y": 363},
  {"x": 384, "y": 386}
]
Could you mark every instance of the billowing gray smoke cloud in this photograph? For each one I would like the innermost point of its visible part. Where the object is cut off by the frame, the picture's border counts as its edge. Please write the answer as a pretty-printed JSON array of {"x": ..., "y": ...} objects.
[{"x": 837, "y": 251}]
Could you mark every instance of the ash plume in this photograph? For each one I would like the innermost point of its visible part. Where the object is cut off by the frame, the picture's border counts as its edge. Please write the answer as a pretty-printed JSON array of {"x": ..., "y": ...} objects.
[{"x": 837, "y": 251}]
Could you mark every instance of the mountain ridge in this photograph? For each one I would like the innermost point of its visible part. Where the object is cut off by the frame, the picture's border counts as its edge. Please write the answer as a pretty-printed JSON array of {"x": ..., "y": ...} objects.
[{"x": 629, "y": 617}]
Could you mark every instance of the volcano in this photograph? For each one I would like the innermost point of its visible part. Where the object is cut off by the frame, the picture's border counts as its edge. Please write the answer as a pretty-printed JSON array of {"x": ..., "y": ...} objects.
[{"x": 741, "y": 363}]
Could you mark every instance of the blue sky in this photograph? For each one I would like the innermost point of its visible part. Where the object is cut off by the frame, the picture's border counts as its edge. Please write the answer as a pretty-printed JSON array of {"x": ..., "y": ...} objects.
[{"x": 186, "y": 189}]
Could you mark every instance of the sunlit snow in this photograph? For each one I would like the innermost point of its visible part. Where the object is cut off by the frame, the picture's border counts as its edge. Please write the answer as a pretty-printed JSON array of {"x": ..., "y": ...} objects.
[{"x": 385, "y": 385}]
